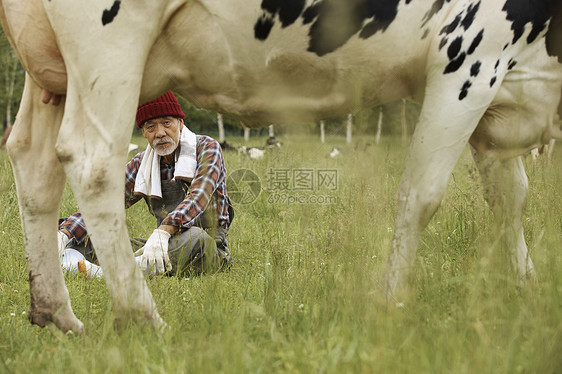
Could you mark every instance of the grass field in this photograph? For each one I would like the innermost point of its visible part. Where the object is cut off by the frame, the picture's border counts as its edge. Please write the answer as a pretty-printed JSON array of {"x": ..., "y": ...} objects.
[{"x": 304, "y": 295}]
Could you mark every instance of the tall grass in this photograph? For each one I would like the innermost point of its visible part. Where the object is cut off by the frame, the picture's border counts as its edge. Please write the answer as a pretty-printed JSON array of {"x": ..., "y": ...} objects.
[{"x": 304, "y": 293}]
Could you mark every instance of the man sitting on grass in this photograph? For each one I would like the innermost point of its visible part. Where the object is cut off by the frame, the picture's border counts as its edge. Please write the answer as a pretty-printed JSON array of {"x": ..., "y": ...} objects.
[{"x": 182, "y": 178}]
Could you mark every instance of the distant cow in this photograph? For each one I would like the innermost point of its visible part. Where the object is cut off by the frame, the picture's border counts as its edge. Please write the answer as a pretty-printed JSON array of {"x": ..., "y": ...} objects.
[
  {"x": 335, "y": 152},
  {"x": 254, "y": 152},
  {"x": 272, "y": 142},
  {"x": 225, "y": 146},
  {"x": 485, "y": 70}
]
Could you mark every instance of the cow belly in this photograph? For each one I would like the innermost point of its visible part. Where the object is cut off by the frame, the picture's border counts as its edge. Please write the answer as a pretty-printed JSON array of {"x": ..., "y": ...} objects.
[
  {"x": 27, "y": 26},
  {"x": 220, "y": 65}
]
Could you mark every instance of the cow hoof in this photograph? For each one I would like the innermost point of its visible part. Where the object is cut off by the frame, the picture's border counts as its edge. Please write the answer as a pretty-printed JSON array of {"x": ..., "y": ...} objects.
[
  {"x": 70, "y": 327},
  {"x": 76, "y": 328},
  {"x": 64, "y": 319},
  {"x": 528, "y": 279},
  {"x": 159, "y": 325},
  {"x": 122, "y": 319}
]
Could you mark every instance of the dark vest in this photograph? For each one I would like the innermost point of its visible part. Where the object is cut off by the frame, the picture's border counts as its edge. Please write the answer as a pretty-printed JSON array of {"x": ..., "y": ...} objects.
[{"x": 173, "y": 193}]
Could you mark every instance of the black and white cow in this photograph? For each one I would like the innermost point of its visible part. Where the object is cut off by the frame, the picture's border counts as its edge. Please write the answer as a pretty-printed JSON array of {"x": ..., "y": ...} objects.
[{"x": 486, "y": 71}]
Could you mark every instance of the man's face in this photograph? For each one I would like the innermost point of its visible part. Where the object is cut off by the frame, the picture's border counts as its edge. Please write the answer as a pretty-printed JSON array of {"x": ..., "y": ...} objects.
[{"x": 163, "y": 134}]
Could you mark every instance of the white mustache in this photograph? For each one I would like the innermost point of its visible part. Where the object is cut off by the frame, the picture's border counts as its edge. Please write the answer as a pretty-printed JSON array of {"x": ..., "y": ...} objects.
[{"x": 163, "y": 141}]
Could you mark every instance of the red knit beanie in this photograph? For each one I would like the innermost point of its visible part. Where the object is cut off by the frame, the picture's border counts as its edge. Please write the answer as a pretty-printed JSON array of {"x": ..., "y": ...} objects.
[{"x": 162, "y": 106}]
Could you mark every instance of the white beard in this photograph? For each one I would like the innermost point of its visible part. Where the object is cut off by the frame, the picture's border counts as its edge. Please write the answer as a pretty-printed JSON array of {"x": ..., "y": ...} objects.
[{"x": 171, "y": 149}]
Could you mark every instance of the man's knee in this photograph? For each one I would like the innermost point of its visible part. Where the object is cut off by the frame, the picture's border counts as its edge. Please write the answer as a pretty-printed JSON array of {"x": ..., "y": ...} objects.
[
  {"x": 195, "y": 238},
  {"x": 192, "y": 251}
]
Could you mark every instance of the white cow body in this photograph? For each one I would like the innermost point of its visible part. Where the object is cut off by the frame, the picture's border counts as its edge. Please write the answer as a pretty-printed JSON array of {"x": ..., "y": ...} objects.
[{"x": 478, "y": 81}]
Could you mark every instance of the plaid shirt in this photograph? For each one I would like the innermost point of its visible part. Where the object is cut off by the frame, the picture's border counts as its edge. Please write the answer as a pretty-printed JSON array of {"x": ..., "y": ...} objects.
[{"x": 208, "y": 186}]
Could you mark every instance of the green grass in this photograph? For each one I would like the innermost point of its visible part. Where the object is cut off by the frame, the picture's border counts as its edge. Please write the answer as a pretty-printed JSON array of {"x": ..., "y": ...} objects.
[{"x": 304, "y": 293}]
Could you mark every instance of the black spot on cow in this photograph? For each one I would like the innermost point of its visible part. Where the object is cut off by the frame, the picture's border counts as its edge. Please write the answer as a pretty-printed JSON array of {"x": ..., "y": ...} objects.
[
  {"x": 435, "y": 8},
  {"x": 311, "y": 13},
  {"x": 270, "y": 6},
  {"x": 442, "y": 43},
  {"x": 475, "y": 42},
  {"x": 505, "y": 46},
  {"x": 337, "y": 21},
  {"x": 455, "y": 64},
  {"x": 496, "y": 65},
  {"x": 333, "y": 22},
  {"x": 425, "y": 33},
  {"x": 263, "y": 26},
  {"x": 383, "y": 13},
  {"x": 492, "y": 81},
  {"x": 464, "y": 90},
  {"x": 447, "y": 29},
  {"x": 475, "y": 69},
  {"x": 469, "y": 17},
  {"x": 109, "y": 15},
  {"x": 511, "y": 64},
  {"x": 288, "y": 12},
  {"x": 535, "y": 12},
  {"x": 454, "y": 47},
  {"x": 554, "y": 34}
]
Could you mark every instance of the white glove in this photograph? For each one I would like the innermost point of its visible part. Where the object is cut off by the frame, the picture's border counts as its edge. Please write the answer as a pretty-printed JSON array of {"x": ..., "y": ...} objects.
[
  {"x": 62, "y": 241},
  {"x": 155, "y": 253}
]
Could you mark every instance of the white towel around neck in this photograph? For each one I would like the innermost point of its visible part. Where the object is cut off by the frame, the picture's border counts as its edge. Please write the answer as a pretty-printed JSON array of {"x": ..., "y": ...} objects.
[{"x": 148, "y": 181}]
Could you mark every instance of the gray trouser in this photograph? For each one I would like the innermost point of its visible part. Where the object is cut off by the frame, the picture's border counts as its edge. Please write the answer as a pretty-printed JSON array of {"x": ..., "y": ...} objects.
[{"x": 191, "y": 252}]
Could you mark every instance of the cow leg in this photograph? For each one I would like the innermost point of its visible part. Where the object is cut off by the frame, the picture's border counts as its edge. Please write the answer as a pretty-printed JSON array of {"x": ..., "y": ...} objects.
[
  {"x": 105, "y": 73},
  {"x": 93, "y": 151},
  {"x": 40, "y": 181},
  {"x": 423, "y": 185},
  {"x": 505, "y": 189},
  {"x": 443, "y": 130}
]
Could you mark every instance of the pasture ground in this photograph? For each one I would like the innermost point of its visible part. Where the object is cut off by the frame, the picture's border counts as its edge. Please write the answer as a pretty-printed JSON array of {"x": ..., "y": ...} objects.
[{"x": 304, "y": 294}]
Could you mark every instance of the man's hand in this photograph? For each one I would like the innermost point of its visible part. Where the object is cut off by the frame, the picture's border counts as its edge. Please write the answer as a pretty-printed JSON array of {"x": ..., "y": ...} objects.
[
  {"x": 62, "y": 241},
  {"x": 155, "y": 259}
]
